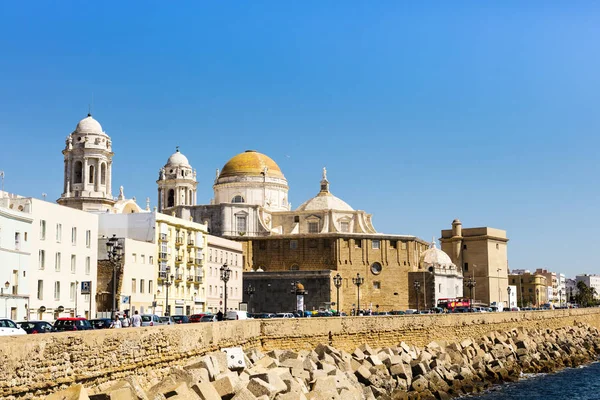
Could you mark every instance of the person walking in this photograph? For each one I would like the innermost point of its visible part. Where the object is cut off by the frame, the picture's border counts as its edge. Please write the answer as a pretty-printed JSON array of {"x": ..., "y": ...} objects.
[
  {"x": 220, "y": 316},
  {"x": 116, "y": 324},
  {"x": 136, "y": 320},
  {"x": 126, "y": 321}
]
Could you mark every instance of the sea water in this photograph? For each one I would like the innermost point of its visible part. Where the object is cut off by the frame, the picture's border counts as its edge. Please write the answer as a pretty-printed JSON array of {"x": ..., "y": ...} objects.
[{"x": 581, "y": 383}]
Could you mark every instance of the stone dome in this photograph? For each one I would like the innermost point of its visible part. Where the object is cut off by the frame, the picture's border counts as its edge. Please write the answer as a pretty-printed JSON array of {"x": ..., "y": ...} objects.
[
  {"x": 251, "y": 163},
  {"x": 89, "y": 125},
  {"x": 177, "y": 159},
  {"x": 325, "y": 201},
  {"x": 435, "y": 257}
]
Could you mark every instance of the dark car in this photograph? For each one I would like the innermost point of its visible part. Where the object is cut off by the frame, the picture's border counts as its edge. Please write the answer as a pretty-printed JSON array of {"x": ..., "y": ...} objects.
[
  {"x": 33, "y": 327},
  {"x": 181, "y": 319},
  {"x": 101, "y": 323},
  {"x": 72, "y": 324}
]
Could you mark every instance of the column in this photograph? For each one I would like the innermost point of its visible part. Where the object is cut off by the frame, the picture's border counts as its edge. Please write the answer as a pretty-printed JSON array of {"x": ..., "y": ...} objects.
[
  {"x": 65, "y": 174},
  {"x": 69, "y": 172},
  {"x": 108, "y": 179},
  {"x": 84, "y": 174},
  {"x": 98, "y": 174}
]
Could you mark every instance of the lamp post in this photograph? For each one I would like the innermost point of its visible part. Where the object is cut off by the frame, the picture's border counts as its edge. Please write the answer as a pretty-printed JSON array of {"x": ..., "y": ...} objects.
[
  {"x": 359, "y": 280},
  {"x": 115, "y": 253},
  {"x": 417, "y": 286},
  {"x": 537, "y": 297},
  {"x": 471, "y": 284},
  {"x": 337, "y": 281},
  {"x": 560, "y": 298},
  {"x": 508, "y": 302},
  {"x": 168, "y": 283},
  {"x": 225, "y": 275},
  {"x": 6, "y": 286},
  {"x": 250, "y": 292}
]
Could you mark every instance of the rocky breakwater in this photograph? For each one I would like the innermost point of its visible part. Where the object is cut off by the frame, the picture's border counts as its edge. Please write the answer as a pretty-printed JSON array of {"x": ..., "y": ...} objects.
[{"x": 437, "y": 371}]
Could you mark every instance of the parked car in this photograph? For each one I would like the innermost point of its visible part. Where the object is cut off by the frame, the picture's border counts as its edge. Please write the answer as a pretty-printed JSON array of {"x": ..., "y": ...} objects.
[
  {"x": 72, "y": 324},
  {"x": 236, "y": 314},
  {"x": 411, "y": 311},
  {"x": 167, "y": 320},
  {"x": 9, "y": 328},
  {"x": 397, "y": 312},
  {"x": 209, "y": 318},
  {"x": 33, "y": 327},
  {"x": 284, "y": 315},
  {"x": 150, "y": 320},
  {"x": 197, "y": 317},
  {"x": 181, "y": 319},
  {"x": 101, "y": 323}
]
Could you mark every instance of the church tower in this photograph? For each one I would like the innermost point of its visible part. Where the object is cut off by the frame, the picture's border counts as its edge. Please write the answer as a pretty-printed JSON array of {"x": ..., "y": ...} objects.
[
  {"x": 176, "y": 183},
  {"x": 88, "y": 168}
]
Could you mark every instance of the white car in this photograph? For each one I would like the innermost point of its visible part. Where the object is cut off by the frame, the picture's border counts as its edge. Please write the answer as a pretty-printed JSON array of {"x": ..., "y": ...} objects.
[
  {"x": 9, "y": 328},
  {"x": 234, "y": 314}
]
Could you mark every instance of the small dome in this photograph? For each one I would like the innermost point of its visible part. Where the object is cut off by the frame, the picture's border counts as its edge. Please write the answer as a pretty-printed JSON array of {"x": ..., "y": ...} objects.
[
  {"x": 325, "y": 201},
  {"x": 251, "y": 163},
  {"x": 89, "y": 125},
  {"x": 178, "y": 159},
  {"x": 456, "y": 221},
  {"x": 435, "y": 257},
  {"x": 299, "y": 286}
]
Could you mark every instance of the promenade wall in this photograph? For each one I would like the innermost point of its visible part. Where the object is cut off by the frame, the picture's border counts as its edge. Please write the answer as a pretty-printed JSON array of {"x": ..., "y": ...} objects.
[{"x": 36, "y": 365}]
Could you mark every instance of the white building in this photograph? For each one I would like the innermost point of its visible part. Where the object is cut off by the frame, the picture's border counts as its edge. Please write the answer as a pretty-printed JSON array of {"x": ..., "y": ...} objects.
[
  {"x": 592, "y": 281},
  {"x": 138, "y": 286},
  {"x": 222, "y": 251},
  {"x": 562, "y": 287},
  {"x": 512, "y": 296},
  {"x": 15, "y": 256},
  {"x": 64, "y": 242}
]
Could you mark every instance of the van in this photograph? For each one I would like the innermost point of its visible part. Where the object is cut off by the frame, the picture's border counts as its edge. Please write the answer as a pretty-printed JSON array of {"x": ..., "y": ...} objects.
[{"x": 235, "y": 314}]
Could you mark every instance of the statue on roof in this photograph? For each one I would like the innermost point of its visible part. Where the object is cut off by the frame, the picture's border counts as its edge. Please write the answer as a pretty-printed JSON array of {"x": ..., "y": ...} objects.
[{"x": 324, "y": 173}]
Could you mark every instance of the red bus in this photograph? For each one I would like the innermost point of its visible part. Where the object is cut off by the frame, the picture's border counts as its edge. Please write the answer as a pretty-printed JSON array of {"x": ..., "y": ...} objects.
[{"x": 451, "y": 304}]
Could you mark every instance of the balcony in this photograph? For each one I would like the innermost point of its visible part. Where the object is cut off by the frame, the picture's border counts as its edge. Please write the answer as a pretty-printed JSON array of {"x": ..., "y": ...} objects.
[
  {"x": 178, "y": 241},
  {"x": 190, "y": 243},
  {"x": 163, "y": 237},
  {"x": 178, "y": 259},
  {"x": 163, "y": 257},
  {"x": 197, "y": 280},
  {"x": 162, "y": 274},
  {"x": 190, "y": 279},
  {"x": 178, "y": 276},
  {"x": 198, "y": 261}
]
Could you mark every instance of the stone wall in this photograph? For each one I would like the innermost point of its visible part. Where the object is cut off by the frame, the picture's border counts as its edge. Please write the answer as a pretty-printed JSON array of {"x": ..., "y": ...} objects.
[{"x": 35, "y": 365}]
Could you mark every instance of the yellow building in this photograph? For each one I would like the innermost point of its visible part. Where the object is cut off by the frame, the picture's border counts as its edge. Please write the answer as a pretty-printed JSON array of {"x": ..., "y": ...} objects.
[{"x": 532, "y": 289}]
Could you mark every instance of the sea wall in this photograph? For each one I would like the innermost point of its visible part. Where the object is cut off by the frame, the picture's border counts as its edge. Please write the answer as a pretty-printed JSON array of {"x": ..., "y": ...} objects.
[{"x": 36, "y": 365}]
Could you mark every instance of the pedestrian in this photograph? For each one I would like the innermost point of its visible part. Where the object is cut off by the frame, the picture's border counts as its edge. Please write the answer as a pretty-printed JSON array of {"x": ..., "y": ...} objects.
[
  {"x": 116, "y": 323},
  {"x": 126, "y": 321},
  {"x": 136, "y": 320},
  {"x": 220, "y": 316}
]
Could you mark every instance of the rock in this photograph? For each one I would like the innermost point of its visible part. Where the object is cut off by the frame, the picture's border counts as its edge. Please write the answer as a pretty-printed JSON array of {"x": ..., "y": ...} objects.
[
  {"x": 74, "y": 392},
  {"x": 226, "y": 386},
  {"x": 206, "y": 391},
  {"x": 419, "y": 384},
  {"x": 259, "y": 387}
]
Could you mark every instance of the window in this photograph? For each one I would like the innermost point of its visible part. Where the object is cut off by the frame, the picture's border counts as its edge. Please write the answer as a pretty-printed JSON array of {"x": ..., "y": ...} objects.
[
  {"x": 497, "y": 246},
  {"x": 237, "y": 199},
  {"x": 58, "y": 233},
  {"x": 393, "y": 244},
  {"x": 103, "y": 174},
  {"x": 25, "y": 236},
  {"x": 134, "y": 257},
  {"x": 241, "y": 224},
  {"x": 313, "y": 227},
  {"x": 375, "y": 244},
  {"x": 87, "y": 265},
  {"x": 376, "y": 268},
  {"x": 73, "y": 263},
  {"x": 440, "y": 288},
  {"x": 57, "y": 262},
  {"x": 73, "y": 236},
  {"x": 57, "y": 290},
  {"x": 142, "y": 286},
  {"x": 171, "y": 198},
  {"x": 142, "y": 259},
  {"x": 72, "y": 291},
  {"x": 150, "y": 286},
  {"x": 295, "y": 267},
  {"x": 40, "y": 290},
  {"x": 466, "y": 267},
  {"x": 262, "y": 245},
  {"x": 210, "y": 255},
  {"x": 150, "y": 260},
  {"x": 464, "y": 246},
  {"x": 133, "y": 285},
  {"x": 326, "y": 244},
  {"x": 403, "y": 246},
  {"x": 293, "y": 244},
  {"x": 376, "y": 285},
  {"x": 17, "y": 240},
  {"x": 345, "y": 226},
  {"x": 358, "y": 243},
  {"x": 42, "y": 230},
  {"x": 88, "y": 239},
  {"x": 78, "y": 172},
  {"x": 91, "y": 177},
  {"x": 296, "y": 218},
  {"x": 42, "y": 259},
  {"x": 312, "y": 243}
]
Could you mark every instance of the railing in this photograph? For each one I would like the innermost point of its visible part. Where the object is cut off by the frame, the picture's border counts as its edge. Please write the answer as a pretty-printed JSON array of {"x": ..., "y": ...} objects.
[
  {"x": 163, "y": 237},
  {"x": 178, "y": 276},
  {"x": 162, "y": 274},
  {"x": 163, "y": 256},
  {"x": 178, "y": 241},
  {"x": 190, "y": 262},
  {"x": 178, "y": 259},
  {"x": 198, "y": 279},
  {"x": 198, "y": 261},
  {"x": 190, "y": 243},
  {"x": 190, "y": 278}
]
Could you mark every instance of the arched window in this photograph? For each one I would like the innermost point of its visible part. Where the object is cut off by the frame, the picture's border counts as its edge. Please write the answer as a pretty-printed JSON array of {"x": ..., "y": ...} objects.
[
  {"x": 91, "y": 179},
  {"x": 171, "y": 198},
  {"x": 78, "y": 172},
  {"x": 238, "y": 199},
  {"x": 103, "y": 174}
]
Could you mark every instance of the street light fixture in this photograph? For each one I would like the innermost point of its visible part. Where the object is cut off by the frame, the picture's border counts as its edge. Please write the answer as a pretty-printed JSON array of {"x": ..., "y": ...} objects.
[
  {"x": 417, "y": 286},
  {"x": 168, "y": 283},
  {"x": 225, "y": 275},
  {"x": 6, "y": 286},
  {"x": 560, "y": 298},
  {"x": 337, "y": 281},
  {"x": 471, "y": 284},
  {"x": 537, "y": 297},
  {"x": 114, "y": 250},
  {"x": 359, "y": 280},
  {"x": 250, "y": 292},
  {"x": 508, "y": 290}
]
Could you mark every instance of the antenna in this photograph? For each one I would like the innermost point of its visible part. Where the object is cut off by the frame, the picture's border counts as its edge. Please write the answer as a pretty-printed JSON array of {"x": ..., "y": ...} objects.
[{"x": 44, "y": 196}]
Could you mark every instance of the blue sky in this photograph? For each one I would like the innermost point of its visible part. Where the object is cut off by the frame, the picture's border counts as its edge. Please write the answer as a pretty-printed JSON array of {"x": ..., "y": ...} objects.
[{"x": 422, "y": 112}]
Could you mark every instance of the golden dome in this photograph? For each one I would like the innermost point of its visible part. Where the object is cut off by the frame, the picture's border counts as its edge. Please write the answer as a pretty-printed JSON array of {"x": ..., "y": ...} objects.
[{"x": 253, "y": 163}]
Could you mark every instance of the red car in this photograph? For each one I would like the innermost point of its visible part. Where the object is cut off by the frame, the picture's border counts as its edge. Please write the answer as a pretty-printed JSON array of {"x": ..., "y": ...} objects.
[
  {"x": 197, "y": 317},
  {"x": 72, "y": 324}
]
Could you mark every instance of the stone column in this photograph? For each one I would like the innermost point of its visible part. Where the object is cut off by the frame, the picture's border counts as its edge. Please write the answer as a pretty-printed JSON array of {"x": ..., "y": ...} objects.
[
  {"x": 69, "y": 173},
  {"x": 84, "y": 174},
  {"x": 98, "y": 165},
  {"x": 160, "y": 196},
  {"x": 108, "y": 180}
]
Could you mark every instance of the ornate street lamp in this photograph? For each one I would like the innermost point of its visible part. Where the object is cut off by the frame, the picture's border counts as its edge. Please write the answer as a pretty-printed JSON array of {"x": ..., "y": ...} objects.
[
  {"x": 250, "y": 292},
  {"x": 417, "y": 286},
  {"x": 337, "y": 281},
  {"x": 537, "y": 297},
  {"x": 471, "y": 284},
  {"x": 560, "y": 298},
  {"x": 358, "y": 281},
  {"x": 225, "y": 275},
  {"x": 168, "y": 283},
  {"x": 508, "y": 290},
  {"x": 114, "y": 250}
]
